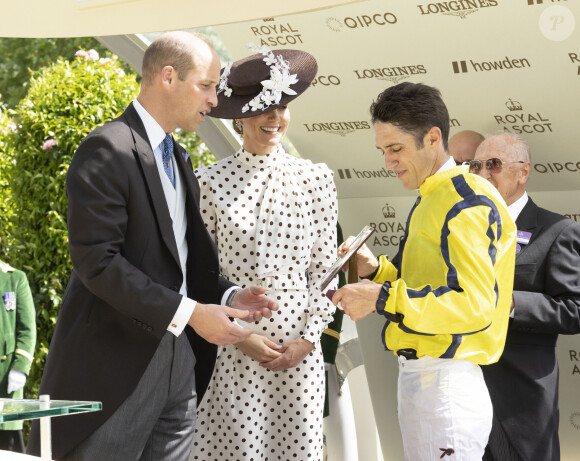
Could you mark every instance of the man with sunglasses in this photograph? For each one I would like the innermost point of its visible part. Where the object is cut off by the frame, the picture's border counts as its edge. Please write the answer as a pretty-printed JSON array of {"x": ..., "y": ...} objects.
[
  {"x": 523, "y": 385},
  {"x": 447, "y": 302}
]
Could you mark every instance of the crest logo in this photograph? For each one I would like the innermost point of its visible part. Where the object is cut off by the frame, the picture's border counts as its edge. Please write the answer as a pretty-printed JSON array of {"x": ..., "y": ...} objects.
[
  {"x": 388, "y": 211},
  {"x": 513, "y": 105},
  {"x": 520, "y": 122}
]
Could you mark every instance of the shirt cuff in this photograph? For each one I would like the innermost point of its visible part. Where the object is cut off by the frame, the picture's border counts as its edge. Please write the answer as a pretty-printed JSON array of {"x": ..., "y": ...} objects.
[
  {"x": 314, "y": 328},
  {"x": 227, "y": 294},
  {"x": 382, "y": 304},
  {"x": 182, "y": 316}
]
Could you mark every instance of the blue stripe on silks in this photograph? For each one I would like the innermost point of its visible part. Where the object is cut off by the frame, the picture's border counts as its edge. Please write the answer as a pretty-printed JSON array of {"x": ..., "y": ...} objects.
[
  {"x": 405, "y": 235},
  {"x": 465, "y": 191},
  {"x": 426, "y": 290},
  {"x": 456, "y": 342},
  {"x": 470, "y": 200},
  {"x": 494, "y": 217},
  {"x": 384, "y": 333},
  {"x": 452, "y": 349},
  {"x": 406, "y": 329}
]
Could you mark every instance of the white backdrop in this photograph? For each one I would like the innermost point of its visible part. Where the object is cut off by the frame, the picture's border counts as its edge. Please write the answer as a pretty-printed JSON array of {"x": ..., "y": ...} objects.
[{"x": 500, "y": 65}]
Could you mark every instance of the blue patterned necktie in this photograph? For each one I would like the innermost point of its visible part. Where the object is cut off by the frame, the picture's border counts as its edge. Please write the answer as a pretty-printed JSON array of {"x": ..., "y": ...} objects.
[{"x": 167, "y": 148}]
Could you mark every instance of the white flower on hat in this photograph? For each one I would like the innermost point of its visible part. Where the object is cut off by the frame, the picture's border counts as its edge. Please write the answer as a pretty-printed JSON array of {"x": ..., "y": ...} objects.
[
  {"x": 270, "y": 59},
  {"x": 223, "y": 84},
  {"x": 256, "y": 104},
  {"x": 280, "y": 81},
  {"x": 269, "y": 98}
]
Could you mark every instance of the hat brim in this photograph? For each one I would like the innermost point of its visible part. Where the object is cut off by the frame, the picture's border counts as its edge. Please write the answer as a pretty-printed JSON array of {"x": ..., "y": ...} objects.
[{"x": 301, "y": 63}]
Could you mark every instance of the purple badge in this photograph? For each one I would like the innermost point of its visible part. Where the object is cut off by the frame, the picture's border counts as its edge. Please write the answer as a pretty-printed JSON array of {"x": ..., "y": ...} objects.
[{"x": 524, "y": 237}]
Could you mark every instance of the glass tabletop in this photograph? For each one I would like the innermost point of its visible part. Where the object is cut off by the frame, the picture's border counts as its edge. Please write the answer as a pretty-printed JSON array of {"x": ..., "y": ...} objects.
[{"x": 18, "y": 410}]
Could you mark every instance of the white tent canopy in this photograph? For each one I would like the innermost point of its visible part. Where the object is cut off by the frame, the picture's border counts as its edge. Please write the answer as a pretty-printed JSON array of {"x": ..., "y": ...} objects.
[{"x": 83, "y": 18}]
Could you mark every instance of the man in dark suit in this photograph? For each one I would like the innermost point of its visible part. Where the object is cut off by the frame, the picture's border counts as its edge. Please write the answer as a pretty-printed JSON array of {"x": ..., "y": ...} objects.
[
  {"x": 546, "y": 302},
  {"x": 143, "y": 302}
]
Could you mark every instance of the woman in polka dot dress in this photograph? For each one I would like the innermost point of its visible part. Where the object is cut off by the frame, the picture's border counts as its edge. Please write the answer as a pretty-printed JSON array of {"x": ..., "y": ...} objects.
[{"x": 273, "y": 219}]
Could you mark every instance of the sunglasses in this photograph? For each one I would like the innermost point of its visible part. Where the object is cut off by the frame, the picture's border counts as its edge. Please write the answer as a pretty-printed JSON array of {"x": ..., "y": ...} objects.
[{"x": 493, "y": 164}]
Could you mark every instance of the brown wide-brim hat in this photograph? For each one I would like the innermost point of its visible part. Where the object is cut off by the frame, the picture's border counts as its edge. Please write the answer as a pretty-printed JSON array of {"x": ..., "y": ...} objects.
[{"x": 245, "y": 83}]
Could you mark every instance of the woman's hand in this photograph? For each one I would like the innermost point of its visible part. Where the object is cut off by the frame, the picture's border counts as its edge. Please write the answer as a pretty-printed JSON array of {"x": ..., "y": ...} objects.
[
  {"x": 292, "y": 353},
  {"x": 259, "y": 348}
]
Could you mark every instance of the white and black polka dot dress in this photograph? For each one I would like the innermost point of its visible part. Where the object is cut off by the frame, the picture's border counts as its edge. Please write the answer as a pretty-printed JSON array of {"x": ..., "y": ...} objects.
[{"x": 273, "y": 218}]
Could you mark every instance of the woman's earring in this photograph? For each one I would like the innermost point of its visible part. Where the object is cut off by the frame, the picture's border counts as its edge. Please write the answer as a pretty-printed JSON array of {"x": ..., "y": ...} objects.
[{"x": 239, "y": 127}]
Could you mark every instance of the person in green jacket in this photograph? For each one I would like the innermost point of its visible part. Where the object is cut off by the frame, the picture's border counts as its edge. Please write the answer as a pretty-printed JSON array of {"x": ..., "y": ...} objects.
[{"x": 17, "y": 342}]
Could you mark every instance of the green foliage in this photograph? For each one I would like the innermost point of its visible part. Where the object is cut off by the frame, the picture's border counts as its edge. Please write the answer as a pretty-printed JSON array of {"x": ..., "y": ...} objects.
[
  {"x": 21, "y": 57},
  {"x": 6, "y": 163},
  {"x": 199, "y": 154},
  {"x": 64, "y": 103}
]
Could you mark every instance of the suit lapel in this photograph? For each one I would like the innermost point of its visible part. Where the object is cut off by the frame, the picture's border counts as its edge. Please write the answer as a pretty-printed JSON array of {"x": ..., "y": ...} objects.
[
  {"x": 528, "y": 222},
  {"x": 186, "y": 171},
  {"x": 145, "y": 156}
]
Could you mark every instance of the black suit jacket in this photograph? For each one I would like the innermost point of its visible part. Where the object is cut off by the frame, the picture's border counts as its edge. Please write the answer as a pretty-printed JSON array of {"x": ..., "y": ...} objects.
[
  {"x": 524, "y": 383},
  {"x": 123, "y": 290}
]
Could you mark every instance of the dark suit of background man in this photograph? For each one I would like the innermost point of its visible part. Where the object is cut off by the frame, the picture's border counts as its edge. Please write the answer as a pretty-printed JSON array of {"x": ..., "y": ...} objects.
[
  {"x": 141, "y": 260},
  {"x": 546, "y": 302}
]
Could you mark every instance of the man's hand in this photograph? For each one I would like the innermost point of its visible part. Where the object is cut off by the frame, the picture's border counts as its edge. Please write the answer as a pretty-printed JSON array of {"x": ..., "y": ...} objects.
[
  {"x": 358, "y": 300},
  {"x": 292, "y": 353},
  {"x": 365, "y": 259},
  {"x": 253, "y": 300},
  {"x": 211, "y": 322},
  {"x": 259, "y": 348}
]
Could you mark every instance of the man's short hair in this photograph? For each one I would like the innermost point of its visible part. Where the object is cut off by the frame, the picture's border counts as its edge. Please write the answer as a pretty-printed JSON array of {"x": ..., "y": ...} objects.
[
  {"x": 520, "y": 150},
  {"x": 414, "y": 108},
  {"x": 171, "y": 49}
]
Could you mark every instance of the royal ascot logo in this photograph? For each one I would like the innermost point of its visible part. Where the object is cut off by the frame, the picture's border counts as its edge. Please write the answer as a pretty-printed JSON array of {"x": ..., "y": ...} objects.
[
  {"x": 517, "y": 120},
  {"x": 277, "y": 34},
  {"x": 388, "y": 233},
  {"x": 340, "y": 128},
  {"x": 575, "y": 420},
  {"x": 388, "y": 211},
  {"x": 459, "y": 8},
  {"x": 507, "y": 63},
  {"x": 513, "y": 105},
  {"x": 391, "y": 74},
  {"x": 360, "y": 22}
]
